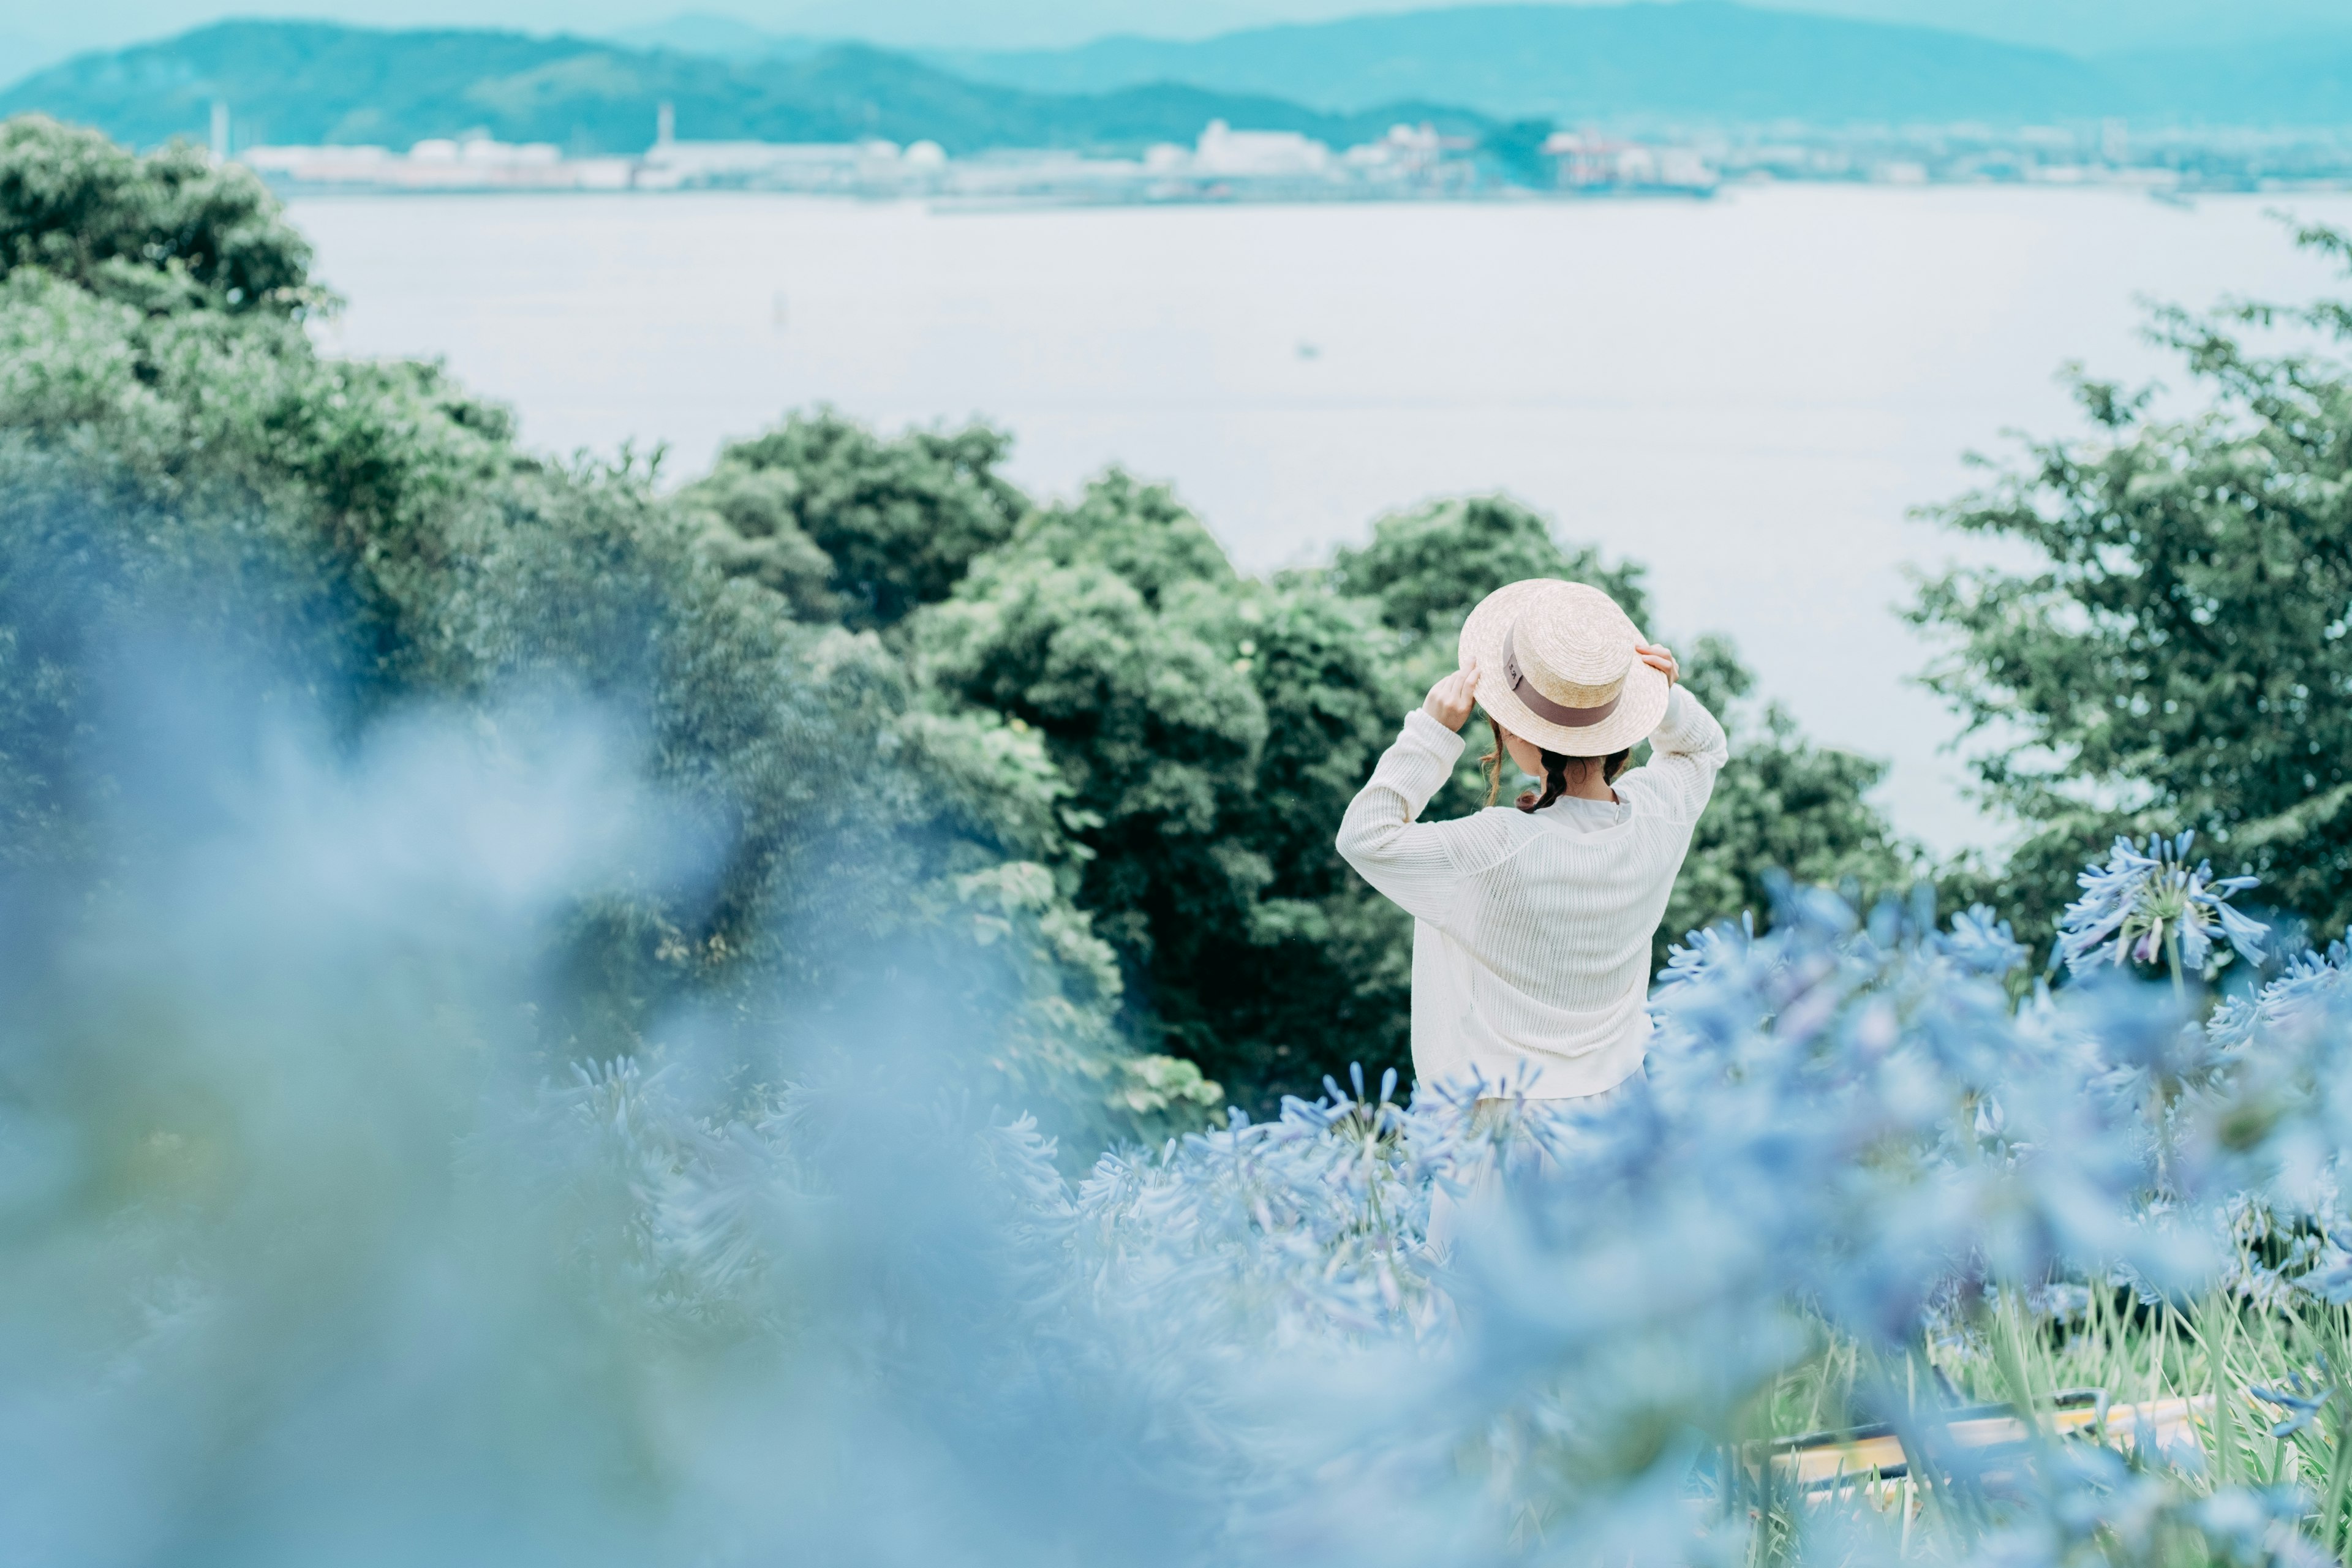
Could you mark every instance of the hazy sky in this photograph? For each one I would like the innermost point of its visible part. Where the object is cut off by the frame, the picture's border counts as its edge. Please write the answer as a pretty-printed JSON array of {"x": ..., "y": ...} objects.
[{"x": 30, "y": 36}]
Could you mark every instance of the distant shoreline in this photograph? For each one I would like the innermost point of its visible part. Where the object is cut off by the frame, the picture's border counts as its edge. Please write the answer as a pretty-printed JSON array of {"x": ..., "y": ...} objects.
[{"x": 953, "y": 205}]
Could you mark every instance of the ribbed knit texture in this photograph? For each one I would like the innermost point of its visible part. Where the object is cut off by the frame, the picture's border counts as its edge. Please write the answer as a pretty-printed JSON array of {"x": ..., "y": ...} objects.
[{"x": 1531, "y": 930}]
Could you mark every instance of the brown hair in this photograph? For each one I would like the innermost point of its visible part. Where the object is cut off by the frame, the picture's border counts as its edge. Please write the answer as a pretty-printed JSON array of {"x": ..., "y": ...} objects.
[{"x": 1555, "y": 765}]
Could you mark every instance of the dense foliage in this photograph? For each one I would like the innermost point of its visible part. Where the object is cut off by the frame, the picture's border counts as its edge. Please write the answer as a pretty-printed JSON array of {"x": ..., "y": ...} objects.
[
  {"x": 852, "y": 528},
  {"x": 2178, "y": 652},
  {"x": 364, "y": 538},
  {"x": 1210, "y": 730},
  {"x": 168, "y": 228}
]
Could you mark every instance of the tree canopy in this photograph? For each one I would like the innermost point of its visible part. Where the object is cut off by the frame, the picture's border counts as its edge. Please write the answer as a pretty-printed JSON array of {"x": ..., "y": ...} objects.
[
  {"x": 367, "y": 538},
  {"x": 169, "y": 228},
  {"x": 2177, "y": 654},
  {"x": 820, "y": 505}
]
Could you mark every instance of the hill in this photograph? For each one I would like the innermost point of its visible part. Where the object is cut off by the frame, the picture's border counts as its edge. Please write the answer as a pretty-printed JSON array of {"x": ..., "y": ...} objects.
[
  {"x": 1696, "y": 62},
  {"x": 2309, "y": 84},
  {"x": 722, "y": 38},
  {"x": 308, "y": 82},
  {"x": 2087, "y": 28},
  {"x": 1704, "y": 59},
  {"x": 2093, "y": 28}
]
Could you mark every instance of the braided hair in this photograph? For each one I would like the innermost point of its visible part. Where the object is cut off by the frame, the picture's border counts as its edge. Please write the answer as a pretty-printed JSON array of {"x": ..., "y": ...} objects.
[{"x": 1555, "y": 766}]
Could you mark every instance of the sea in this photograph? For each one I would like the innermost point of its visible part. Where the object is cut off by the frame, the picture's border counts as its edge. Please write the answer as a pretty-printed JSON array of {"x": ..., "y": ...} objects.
[{"x": 1755, "y": 397}]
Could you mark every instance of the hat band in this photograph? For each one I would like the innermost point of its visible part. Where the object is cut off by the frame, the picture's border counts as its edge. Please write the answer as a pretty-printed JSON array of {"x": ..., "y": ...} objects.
[{"x": 1543, "y": 707}]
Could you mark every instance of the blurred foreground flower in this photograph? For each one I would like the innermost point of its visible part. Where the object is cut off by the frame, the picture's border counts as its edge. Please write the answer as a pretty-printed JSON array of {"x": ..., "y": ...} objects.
[{"x": 326, "y": 1239}]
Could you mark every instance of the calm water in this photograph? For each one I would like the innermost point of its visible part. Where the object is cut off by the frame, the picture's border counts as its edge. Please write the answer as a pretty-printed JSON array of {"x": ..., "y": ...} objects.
[{"x": 1747, "y": 394}]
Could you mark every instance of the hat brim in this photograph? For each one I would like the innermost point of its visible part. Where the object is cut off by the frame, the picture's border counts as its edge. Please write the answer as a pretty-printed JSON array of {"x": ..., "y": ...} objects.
[{"x": 1639, "y": 708}]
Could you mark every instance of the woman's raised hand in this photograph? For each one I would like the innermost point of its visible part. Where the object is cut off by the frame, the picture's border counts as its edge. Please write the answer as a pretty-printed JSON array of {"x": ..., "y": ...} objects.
[
  {"x": 1449, "y": 701},
  {"x": 1658, "y": 659}
]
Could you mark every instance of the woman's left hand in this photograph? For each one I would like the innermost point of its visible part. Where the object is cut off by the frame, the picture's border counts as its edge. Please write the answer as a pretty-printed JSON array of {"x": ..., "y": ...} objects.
[{"x": 1660, "y": 660}]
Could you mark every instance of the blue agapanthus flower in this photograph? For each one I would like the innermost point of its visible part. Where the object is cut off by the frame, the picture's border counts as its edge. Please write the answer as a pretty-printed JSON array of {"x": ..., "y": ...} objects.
[
  {"x": 2149, "y": 904},
  {"x": 1980, "y": 943},
  {"x": 2307, "y": 984},
  {"x": 2302, "y": 1400}
]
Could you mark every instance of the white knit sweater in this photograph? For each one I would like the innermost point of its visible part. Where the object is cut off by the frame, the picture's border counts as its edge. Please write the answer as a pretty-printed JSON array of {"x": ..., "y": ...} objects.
[{"x": 1531, "y": 930}]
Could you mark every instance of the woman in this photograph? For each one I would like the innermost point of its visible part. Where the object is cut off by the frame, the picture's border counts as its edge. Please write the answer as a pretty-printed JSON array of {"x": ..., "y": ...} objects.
[{"x": 1532, "y": 927}]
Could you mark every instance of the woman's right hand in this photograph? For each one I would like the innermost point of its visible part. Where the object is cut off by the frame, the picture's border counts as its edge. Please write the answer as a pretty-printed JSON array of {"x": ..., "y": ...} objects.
[{"x": 1449, "y": 701}]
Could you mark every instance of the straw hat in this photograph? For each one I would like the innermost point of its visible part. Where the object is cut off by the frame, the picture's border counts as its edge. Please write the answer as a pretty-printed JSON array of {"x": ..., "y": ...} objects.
[{"x": 1557, "y": 666}]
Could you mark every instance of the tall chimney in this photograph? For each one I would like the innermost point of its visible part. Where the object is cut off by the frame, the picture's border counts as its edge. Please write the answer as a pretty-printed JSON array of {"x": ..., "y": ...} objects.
[
  {"x": 220, "y": 131},
  {"x": 664, "y": 125}
]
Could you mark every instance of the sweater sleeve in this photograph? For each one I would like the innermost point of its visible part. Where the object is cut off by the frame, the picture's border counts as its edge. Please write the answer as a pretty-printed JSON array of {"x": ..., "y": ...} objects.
[
  {"x": 1686, "y": 750},
  {"x": 1419, "y": 865}
]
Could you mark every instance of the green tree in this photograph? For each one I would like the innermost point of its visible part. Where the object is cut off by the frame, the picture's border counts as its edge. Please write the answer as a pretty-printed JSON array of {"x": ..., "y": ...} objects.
[
  {"x": 168, "y": 230},
  {"x": 1322, "y": 974},
  {"x": 744, "y": 517},
  {"x": 1428, "y": 568},
  {"x": 2176, "y": 653},
  {"x": 1134, "y": 689},
  {"x": 374, "y": 536},
  {"x": 1210, "y": 730},
  {"x": 1784, "y": 802},
  {"x": 851, "y": 525}
]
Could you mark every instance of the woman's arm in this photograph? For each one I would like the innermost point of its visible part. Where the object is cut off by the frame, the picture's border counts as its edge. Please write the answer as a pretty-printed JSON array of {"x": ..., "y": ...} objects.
[
  {"x": 1417, "y": 865},
  {"x": 1687, "y": 749}
]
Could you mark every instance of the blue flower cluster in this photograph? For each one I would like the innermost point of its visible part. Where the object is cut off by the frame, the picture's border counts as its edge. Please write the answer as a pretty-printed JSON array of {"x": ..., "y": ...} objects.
[
  {"x": 318, "y": 1242},
  {"x": 2149, "y": 905},
  {"x": 1850, "y": 1132}
]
